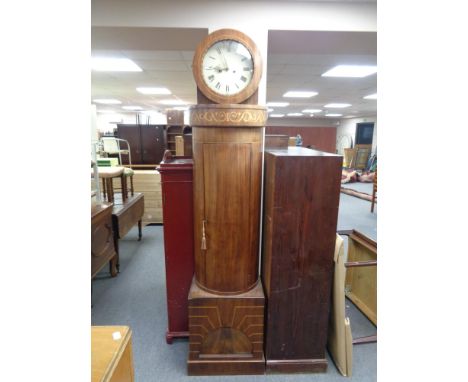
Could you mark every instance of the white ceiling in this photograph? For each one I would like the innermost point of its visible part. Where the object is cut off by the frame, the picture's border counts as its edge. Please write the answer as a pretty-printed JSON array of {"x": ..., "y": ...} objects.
[{"x": 296, "y": 60}]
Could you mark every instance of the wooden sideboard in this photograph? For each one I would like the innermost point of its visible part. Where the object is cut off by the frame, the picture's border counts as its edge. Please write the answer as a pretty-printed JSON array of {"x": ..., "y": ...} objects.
[{"x": 302, "y": 191}]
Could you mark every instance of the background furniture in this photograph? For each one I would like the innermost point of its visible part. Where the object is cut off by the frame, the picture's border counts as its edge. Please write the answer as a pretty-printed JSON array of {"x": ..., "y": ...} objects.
[
  {"x": 147, "y": 143},
  {"x": 362, "y": 156},
  {"x": 102, "y": 239},
  {"x": 361, "y": 280},
  {"x": 172, "y": 132},
  {"x": 111, "y": 354},
  {"x": 148, "y": 183},
  {"x": 302, "y": 190},
  {"x": 276, "y": 141},
  {"x": 177, "y": 191}
]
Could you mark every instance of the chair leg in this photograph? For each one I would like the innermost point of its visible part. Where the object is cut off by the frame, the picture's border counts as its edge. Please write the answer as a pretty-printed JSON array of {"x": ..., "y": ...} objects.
[
  {"x": 131, "y": 184},
  {"x": 110, "y": 190},
  {"x": 103, "y": 188},
  {"x": 123, "y": 181}
]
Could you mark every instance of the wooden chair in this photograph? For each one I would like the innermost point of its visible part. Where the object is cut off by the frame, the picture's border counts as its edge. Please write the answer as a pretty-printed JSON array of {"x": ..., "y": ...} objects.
[
  {"x": 374, "y": 192},
  {"x": 107, "y": 174}
]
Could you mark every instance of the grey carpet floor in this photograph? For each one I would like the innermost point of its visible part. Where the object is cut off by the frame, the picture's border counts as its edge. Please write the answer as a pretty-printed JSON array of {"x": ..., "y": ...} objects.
[{"x": 137, "y": 298}]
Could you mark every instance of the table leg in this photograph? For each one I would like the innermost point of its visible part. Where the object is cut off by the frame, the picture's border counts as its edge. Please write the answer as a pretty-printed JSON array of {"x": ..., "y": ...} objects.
[
  {"x": 117, "y": 257},
  {"x": 113, "y": 266},
  {"x": 110, "y": 191},
  {"x": 139, "y": 230},
  {"x": 131, "y": 184}
]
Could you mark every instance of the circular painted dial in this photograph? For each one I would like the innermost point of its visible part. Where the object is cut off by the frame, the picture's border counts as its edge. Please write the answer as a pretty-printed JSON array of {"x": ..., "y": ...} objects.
[{"x": 227, "y": 67}]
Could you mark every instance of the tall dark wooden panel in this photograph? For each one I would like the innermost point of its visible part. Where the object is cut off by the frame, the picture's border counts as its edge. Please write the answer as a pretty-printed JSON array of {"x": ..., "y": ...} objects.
[
  {"x": 147, "y": 143},
  {"x": 177, "y": 192},
  {"x": 152, "y": 144},
  {"x": 302, "y": 190}
]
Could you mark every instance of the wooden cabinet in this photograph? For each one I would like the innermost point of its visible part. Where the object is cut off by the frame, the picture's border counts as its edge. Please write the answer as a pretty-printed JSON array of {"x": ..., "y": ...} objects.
[
  {"x": 147, "y": 143},
  {"x": 103, "y": 250},
  {"x": 177, "y": 191},
  {"x": 302, "y": 190}
]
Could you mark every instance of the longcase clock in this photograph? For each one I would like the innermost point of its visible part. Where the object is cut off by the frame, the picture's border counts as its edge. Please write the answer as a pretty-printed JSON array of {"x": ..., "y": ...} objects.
[{"x": 226, "y": 300}]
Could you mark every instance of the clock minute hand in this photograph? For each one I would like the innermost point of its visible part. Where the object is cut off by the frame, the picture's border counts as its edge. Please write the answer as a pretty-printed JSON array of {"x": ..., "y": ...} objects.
[{"x": 225, "y": 62}]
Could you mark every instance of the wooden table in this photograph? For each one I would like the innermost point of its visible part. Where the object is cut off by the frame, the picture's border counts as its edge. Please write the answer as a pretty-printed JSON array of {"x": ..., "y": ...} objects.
[
  {"x": 125, "y": 215},
  {"x": 111, "y": 354}
]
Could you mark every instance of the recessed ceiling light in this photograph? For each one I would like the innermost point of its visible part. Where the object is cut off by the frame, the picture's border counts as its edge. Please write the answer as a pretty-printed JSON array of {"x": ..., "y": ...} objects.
[
  {"x": 350, "y": 116},
  {"x": 299, "y": 94},
  {"x": 132, "y": 108},
  {"x": 277, "y": 115},
  {"x": 294, "y": 114},
  {"x": 152, "y": 90},
  {"x": 278, "y": 104},
  {"x": 107, "y": 101},
  {"x": 337, "y": 105},
  {"x": 270, "y": 109},
  {"x": 371, "y": 96},
  {"x": 181, "y": 108},
  {"x": 107, "y": 64},
  {"x": 311, "y": 110},
  {"x": 333, "y": 115},
  {"x": 351, "y": 71},
  {"x": 173, "y": 102}
]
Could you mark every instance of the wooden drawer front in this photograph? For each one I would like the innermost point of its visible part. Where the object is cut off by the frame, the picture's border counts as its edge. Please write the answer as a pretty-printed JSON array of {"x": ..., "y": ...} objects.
[{"x": 102, "y": 244}]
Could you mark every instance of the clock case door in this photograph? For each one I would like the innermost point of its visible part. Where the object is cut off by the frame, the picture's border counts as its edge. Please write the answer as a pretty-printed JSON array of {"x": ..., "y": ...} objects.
[{"x": 227, "y": 175}]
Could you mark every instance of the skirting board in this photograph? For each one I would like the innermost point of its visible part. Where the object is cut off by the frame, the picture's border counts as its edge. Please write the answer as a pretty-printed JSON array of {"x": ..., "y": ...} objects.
[{"x": 296, "y": 366}]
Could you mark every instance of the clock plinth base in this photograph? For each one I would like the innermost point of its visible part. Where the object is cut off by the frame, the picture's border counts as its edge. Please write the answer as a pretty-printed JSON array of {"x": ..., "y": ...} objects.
[{"x": 226, "y": 332}]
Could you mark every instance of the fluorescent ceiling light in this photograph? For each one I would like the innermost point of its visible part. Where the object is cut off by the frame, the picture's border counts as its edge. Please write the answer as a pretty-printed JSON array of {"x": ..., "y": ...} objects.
[
  {"x": 371, "y": 96},
  {"x": 107, "y": 64},
  {"x": 333, "y": 115},
  {"x": 311, "y": 110},
  {"x": 132, "y": 108},
  {"x": 337, "y": 105},
  {"x": 299, "y": 94},
  {"x": 351, "y": 71},
  {"x": 278, "y": 104},
  {"x": 106, "y": 111},
  {"x": 173, "y": 102},
  {"x": 294, "y": 114},
  {"x": 270, "y": 109},
  {"x": 107, "y": 101},
  {"x": 152, "y": 90},
  {"x": 277, "y": 115},
  {"x": 350, "y": 116},
  {"x": 181, "y": 108}
]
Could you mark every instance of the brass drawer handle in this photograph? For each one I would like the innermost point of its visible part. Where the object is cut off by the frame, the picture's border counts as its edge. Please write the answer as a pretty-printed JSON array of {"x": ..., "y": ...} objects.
[{"x": 203, "y": 240}]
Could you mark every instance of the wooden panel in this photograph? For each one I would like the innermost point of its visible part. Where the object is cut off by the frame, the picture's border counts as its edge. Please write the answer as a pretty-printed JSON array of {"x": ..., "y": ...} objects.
[
  {"x": 175, "y": 117},
  {"x": 227, "y": 173},
  {"x": 152, "y": 144},
  {"x": 320, "y": 138},
  {"x": 302, "y": 190},
  {"x": 111, "y": 357},
  {"x": 126, "y": 215},
  {"x": 179, "y": 145},
  {"x": 102, "y": 243},
  {"x": 276, "y": 141},
  {"x": 228, "y": 329},
  {"x": 361, "y": 282},
  {"x": 177, "y": 187}
]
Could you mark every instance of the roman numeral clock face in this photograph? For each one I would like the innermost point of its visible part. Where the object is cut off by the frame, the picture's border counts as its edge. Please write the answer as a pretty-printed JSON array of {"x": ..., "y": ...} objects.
[{"x": 227, "y": 67}]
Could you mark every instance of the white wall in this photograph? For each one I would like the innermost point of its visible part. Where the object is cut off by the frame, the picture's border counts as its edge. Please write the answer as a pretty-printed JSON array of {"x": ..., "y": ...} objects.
[{"x": 348, "y": 127}]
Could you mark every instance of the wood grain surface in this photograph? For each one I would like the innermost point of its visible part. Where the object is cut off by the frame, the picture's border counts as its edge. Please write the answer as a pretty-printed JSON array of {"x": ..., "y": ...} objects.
[{"x": 302, "y": 189}]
